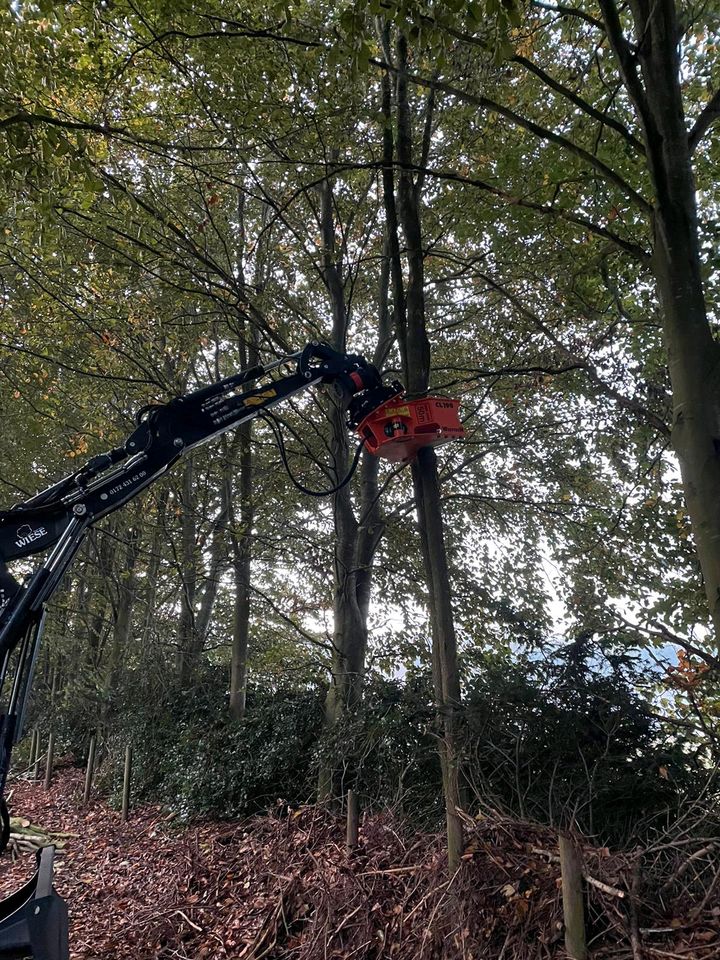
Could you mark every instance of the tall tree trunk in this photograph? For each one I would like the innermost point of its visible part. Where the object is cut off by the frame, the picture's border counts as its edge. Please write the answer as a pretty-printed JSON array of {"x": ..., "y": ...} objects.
[
  {"x": 241, "y": 539},
  {"x": 218, "y": 560},
  {"x": 693, "y": 354},
  {"x": 199, "y": 599},
  {"x": 446, "y": 677},
  {"x": 188, "y": 574},
  {"x": 96, "y": 597},
  {"x": 356, "y": 540},
  {"x": 241, "y": 526},
  {"x": 242, "y": 565},
  {"x": 349, "y": 634},
  {"x": 415, "y": 351},
  {"x": 153, "y": 571},
  {"x": 125, "y": 596}
]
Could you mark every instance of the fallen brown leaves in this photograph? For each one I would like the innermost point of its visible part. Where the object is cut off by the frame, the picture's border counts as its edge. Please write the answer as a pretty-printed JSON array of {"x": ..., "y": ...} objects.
[{"x": 284, "y": 887}]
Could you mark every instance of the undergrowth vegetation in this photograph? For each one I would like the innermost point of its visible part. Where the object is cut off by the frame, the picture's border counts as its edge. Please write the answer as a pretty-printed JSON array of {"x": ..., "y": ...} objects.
[{"x": 556, "y": 741}]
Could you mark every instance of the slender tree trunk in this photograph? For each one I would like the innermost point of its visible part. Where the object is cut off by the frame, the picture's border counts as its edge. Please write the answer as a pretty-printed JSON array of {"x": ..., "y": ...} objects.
[
  {"x": 415, "y": 350},
  {"x": 356, "y": 540},
  {"x": 153, "y": 571},
  {"x": 241, "y": 631},
  {"x": 349, "y": 632},
  {"x": 97, "y": 599},
  {"x": 217, "y": 563},
  {"x": 188, "y": 574},
  {"x": 446, "y": 677},
  {"x": 126, "y": 592},
  {"x": 242, "y": 526},
  {"x": 242, "y": 563},
  {"x": 196, "y": 617}
]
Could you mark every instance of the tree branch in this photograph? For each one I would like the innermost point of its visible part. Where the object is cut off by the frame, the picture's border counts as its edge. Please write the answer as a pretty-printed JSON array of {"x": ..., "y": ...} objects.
[
  {"x": 570, "y": 12},
  {"x": 103, "y": 129},
  {"x": 542, "y": 133},
  {"x": 628, "y": 64},
  {"x": 581, "y": 103},
  {"x": 626, "y": 403},
  {"x": 635, "y": 250},
  {"x": 289, "y": 620},
  {"x": 707, "y": 117}
]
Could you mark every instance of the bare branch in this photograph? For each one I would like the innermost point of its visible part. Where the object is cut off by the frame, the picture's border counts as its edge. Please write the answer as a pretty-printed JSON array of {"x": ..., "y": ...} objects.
[
  {"x": 570, "y": 12},
  {"x": 627, "y": 403}
]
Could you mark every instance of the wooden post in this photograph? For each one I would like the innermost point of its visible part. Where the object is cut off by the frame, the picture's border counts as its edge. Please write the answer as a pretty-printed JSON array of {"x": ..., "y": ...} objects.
[
  {"x": 37, "y": 757},
  {"x": 571, "y": 869},
  {"x": 90, "y": 770},
  {"x": 49, "y": 760},
  {"x": 34, "y": 750},
  {"x": 353, "y": 819},
  {"x": 126, "y": 783}
]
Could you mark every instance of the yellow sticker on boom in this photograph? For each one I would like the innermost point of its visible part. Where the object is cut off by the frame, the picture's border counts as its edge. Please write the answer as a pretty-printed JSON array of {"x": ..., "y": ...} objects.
[
  {"x": 397, "y": 412},
  {"x": 260, "y": 398}
]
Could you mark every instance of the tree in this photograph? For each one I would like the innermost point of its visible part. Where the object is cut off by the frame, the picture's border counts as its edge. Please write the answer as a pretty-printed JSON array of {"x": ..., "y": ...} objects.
[
  {"x": 409, "y": 313},
  {"x": 621, "y": 144},
  {"x": 192, "y": 186}
]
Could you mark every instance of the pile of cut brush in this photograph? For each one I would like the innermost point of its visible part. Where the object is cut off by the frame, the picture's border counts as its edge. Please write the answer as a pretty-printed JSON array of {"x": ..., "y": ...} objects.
[
  {"x": 284, "y": 886},
  {"x": 27, "y": 837}
]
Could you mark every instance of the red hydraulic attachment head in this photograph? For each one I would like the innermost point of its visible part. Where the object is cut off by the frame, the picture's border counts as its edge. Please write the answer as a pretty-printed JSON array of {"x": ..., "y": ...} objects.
[{"x": 398, "y": 428}]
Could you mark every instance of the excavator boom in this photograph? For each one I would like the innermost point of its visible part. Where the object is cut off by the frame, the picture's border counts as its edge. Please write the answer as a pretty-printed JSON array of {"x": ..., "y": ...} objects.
[{"x": 33, "y": 921}]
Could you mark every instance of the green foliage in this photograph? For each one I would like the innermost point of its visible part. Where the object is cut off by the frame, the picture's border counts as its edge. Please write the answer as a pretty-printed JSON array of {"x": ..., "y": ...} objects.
[
  {"x": 559, "y": 740},
  {"x": 432, "y": 28},
  {"x": 569, "y": 741},
  {"x": 181, "y": 205},
  {"x": 199, "y": 761},
  {"x": 388, "y": 748}
]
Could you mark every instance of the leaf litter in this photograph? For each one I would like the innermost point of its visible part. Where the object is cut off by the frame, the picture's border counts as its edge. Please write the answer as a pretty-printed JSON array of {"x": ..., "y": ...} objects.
[{"x": 283, "y": 887}]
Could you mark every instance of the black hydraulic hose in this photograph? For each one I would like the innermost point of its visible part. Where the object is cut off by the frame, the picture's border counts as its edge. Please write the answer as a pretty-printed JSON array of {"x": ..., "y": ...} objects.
[{"x": 274, "y": 425}]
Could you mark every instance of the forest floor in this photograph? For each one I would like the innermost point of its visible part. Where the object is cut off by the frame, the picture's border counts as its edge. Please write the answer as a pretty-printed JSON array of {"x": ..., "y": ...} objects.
[{"x": 284, "y": 888}]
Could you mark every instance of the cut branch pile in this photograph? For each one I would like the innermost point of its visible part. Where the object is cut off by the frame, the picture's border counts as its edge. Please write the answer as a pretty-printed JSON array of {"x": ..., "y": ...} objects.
[
  {"x": 26, "y": 837},
  {"x": 285, "y": 887}
]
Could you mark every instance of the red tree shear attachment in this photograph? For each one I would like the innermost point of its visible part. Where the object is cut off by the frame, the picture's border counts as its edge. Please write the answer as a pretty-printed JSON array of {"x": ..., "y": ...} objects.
[{"x": 398, "y": 428}]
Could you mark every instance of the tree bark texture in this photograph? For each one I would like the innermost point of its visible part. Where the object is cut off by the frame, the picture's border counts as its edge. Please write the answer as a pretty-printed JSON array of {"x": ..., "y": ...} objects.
[
  {"x": 241, "y": 526},
  {"x": 125, "y": 593},
  {"x": 241, "y": 538},
  {"x": 96, "y": 601},
  {"x": 198, "y": 598},
  {"x": 150, "y": 596},
  {"x": 188, "y": 573}
]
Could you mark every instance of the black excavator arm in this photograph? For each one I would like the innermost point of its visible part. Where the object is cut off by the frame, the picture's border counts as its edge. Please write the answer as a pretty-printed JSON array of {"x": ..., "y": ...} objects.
[{"x": 33, "y": 921}]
